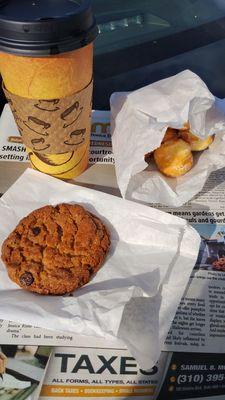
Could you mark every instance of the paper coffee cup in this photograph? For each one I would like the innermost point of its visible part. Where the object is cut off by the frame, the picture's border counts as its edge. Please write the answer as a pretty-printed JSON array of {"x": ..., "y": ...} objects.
[{"x": 46, "y": 62}]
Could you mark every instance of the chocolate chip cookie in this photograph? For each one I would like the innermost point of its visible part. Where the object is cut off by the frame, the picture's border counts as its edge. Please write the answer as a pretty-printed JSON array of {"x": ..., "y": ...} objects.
[{"x": 55, "y": 250}]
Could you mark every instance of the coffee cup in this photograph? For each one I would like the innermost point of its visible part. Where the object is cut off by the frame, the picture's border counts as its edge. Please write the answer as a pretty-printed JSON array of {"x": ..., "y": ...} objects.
[{"x": 46, "y": 62}]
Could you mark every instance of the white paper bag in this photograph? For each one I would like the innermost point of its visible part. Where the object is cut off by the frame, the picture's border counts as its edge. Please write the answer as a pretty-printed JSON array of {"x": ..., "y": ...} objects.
[
  {"x": 139, "y": 121},
  {"x": 135, "y": 294}
]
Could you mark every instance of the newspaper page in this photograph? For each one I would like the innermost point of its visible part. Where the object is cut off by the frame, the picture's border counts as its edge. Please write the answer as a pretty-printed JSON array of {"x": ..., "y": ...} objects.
[
  {"x": 199, "y": 324},
  {"x": 22, "y": 334},
  {"x": 192, "y": 365},
  {"x": 22, "y": 369}
]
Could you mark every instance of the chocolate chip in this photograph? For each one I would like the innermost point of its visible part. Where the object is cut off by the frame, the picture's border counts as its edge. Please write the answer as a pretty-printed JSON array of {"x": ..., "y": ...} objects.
[
  {"x": 36, "y": 230},
  {"x": 26, "y": 279},
  {"x": 90, "y": 269},
  {"x": 60, "y": 231}
]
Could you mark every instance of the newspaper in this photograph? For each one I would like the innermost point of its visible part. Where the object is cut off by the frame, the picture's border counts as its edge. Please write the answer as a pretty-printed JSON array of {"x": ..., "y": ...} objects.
[
  {"x": 192, "y": 364},
  {"x": 199, "y": 324},
  {"x": 22, "y": 369},
  {"x": 22, "y": 334}
]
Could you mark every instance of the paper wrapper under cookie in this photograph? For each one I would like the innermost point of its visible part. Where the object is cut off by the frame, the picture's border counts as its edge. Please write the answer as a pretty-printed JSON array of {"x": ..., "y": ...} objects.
[
  {"x": 134, "y": 296},
  {"x": 55, "y": 132}
]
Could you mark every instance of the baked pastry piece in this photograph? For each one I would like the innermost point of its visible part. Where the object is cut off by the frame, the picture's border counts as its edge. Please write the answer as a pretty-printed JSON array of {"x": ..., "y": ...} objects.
[
  {"x": 174, "y": 158},
  {"x": 55, "y": 250},
  {"x": 185, "y": 127},
  {"x": 196, "y": 143},
  {"x": 170, "y": 134}
]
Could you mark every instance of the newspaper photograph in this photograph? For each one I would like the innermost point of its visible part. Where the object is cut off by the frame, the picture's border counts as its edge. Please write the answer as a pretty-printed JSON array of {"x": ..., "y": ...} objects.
[{"x": 22, "y": 370}]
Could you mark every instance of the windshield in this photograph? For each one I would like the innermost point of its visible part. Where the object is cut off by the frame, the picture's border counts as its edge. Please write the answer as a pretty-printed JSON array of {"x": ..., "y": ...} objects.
[{"x": 141, "y": 41}]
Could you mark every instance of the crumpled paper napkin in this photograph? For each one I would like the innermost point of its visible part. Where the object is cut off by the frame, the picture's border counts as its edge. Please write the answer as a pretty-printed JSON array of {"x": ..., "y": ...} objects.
[{"x": 135, "y": 294}]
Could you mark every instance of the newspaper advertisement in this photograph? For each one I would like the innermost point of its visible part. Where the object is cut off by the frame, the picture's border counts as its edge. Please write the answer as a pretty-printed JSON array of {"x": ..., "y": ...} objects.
[
  {"x": 193, "y": 376},
  {"x": 22, "y": 370},
  {"x": 94, "y": 372},
  {"x": 12, "y": 148}
]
